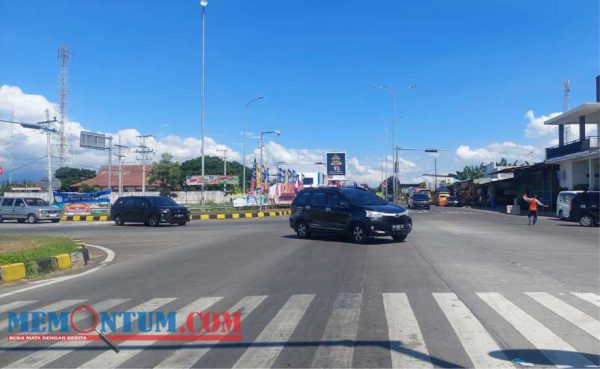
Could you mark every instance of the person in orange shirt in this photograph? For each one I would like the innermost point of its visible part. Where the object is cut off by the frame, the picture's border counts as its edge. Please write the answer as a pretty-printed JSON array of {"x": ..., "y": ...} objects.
[{"x": 533, "y": 208}]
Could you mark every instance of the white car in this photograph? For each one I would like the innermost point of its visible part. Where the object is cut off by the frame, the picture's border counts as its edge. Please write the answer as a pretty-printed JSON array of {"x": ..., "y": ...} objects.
[{"x": 563, "y": 203}]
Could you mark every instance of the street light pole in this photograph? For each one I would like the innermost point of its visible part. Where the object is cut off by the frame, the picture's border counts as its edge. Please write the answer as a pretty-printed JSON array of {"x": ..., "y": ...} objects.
[
  {"x": 203, "y": 3},
  {"x": 244, "y": 154},
  {"x": 393, "y": 94},
  {"x": 224, "y": 151},
  {"x": 262, "y": 134}
]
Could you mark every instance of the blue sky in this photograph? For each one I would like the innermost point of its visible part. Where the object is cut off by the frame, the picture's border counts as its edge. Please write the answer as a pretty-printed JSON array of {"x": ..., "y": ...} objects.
[{"x": 479, "y": 67}]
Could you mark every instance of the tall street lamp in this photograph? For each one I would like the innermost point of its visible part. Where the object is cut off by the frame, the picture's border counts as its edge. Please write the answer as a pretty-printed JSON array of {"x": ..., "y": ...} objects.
[
  {"x": 203, "y": 3},
  {"x": 393, "y": 94},
  {"x": 262, "y": 139},
  {"x": 244, "y": 154}
]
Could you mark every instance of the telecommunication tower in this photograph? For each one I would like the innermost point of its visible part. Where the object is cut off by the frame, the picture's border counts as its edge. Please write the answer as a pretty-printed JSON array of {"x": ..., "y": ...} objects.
[
  {"x": 566, "y": 90},
  {"x": 63, "y": 56}
]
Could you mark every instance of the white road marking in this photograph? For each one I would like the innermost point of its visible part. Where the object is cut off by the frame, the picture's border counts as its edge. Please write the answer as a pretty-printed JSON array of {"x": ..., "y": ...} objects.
[
  {"x": 404, "y": 333},
  {"x": 342, "y": 326},
  {"x": 110, "y": 257},
  {"x": 568, "y": 312},
  {"x": 553, "y": 347},
  {"x": 276, "y": 333},
  {"x": 472, "y": 335},
  {"x": 109, "y": 359},
  {"x": 61, "y": 305},
  {"x": 592, "y": 298},
  {"x": 187, "y": 358},
  {"x": 42, "y": 358},
  {"x": 14, "y": 305}
]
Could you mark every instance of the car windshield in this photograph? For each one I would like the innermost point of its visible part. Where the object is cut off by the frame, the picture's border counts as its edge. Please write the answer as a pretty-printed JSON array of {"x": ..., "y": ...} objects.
[
  {"x": 452, "y": 198},
  {"x": 362, "y": 198},
  {"x": 36, "y": 202},
  {"x": 420, "y": 197},
  {"x": 162, "y": 201}
]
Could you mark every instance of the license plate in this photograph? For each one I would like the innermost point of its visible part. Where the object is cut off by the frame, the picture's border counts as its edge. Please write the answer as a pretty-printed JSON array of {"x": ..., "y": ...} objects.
[{"x": 396, "y": 227}]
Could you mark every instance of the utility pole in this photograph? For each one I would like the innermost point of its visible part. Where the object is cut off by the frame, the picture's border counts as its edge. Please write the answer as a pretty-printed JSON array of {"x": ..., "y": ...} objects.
[
  {"x": 203, "y": 3},
  {"x": 119, "y": 154},
  {"x": 224, "y": 151},
  {"x": 49, "y": 156},
  {"x": 144, "y": 153},
  {"x": 63, "y": 55},
  {"x": 110, "y": 149},
  {"x": 566, "y": 90}
]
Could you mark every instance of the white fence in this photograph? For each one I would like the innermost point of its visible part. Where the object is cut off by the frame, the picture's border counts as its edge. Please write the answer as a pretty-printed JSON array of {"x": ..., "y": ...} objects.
[{"x": 191, "y": 197}]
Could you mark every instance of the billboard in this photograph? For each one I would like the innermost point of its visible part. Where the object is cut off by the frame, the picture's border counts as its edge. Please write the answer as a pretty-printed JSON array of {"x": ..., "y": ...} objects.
[
  {"x": 90, "y": 140},
  {"x": 83, "y": 203},
  {"x": 336, "y": 165},
  {"x": 212, "y": 180}
]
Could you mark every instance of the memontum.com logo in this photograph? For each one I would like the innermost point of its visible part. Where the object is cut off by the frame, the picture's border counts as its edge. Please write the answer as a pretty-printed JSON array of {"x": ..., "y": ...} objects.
[{"x": 84, "y": 323}]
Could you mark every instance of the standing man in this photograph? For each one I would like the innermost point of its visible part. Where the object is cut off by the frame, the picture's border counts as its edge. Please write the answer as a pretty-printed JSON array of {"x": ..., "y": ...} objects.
[{"x": 533, "y": 208}]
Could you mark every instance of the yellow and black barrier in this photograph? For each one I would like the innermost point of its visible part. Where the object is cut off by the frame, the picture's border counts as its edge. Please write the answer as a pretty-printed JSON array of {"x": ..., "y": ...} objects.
[{"x": 242, "y": 215}]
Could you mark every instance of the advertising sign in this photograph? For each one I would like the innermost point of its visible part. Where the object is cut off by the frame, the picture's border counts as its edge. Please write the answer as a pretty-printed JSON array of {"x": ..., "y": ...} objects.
[
  {"x": 239, "y": 201},
  {"x": 336, "y": 164},
  {"x": 90, "y": 140},
  {"x": 85, "y": 203},
  {"x": 212, "y": 180}
]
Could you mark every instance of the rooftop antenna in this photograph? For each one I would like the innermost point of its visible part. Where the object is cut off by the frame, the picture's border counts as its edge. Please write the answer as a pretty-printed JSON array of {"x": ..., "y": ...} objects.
[
  {"x": 566, "y": 90},
  {"x": 63, "y": 56}
]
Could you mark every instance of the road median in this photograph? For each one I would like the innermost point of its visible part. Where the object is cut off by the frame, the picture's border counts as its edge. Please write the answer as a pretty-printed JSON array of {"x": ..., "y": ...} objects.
[{"x": 194, "y": 216}]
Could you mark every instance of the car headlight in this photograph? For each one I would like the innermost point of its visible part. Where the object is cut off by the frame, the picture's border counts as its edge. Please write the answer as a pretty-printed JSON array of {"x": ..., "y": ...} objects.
[
  {"x": 165, "y": 211},
  {"x": 43, "y": 211},
  {"x": 405, "y": 212},
  {"x": 374, "y": 214}
]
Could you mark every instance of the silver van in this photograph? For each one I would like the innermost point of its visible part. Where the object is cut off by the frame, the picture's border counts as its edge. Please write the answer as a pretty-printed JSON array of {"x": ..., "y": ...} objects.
[
  {"x": 28, "y": 209},
  {"x": 563, "y": 203}
]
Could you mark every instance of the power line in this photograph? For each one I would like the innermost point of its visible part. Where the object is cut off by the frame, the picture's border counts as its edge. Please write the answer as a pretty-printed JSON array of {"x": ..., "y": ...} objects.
[{"x": 24, "y": 165}]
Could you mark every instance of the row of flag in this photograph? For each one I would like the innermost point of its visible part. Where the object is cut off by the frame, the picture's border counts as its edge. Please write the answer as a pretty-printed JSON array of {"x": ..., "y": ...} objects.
[{"x": 289, "y": 179}]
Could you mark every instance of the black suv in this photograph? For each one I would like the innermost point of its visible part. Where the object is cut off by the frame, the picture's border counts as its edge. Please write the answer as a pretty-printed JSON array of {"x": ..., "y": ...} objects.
[
  {"x": 150, "y": 210},
  {"x": 585, "y": 208},
  {"x": 357, "y": 213}
]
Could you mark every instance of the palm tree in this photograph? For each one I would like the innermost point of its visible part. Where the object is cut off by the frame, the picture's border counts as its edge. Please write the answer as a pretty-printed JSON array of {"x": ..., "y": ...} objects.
[{"x": 470, "y": 172}]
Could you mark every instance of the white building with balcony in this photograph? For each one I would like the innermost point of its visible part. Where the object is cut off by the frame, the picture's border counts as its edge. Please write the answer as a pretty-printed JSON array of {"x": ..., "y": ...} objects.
[{"x": 579, "y": 159}]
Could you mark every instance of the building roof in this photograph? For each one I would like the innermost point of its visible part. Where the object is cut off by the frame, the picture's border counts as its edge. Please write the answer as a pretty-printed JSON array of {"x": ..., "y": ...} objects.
[
  {"x": 591, "y": 112},
  {"x": 132, "y": 176}
]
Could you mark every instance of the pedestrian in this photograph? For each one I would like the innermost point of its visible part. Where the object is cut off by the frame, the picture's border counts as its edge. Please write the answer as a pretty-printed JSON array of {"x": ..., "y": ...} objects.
[{"x": 533, "y": 208}]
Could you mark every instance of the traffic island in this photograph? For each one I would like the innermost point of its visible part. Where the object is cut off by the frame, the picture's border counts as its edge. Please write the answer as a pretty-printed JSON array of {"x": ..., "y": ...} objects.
[
  {"x": 33, "y": 257},
  {"x": 193, "y": 216}
]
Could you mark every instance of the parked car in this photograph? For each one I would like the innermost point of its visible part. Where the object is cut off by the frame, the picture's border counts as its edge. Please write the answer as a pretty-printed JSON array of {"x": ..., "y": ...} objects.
[
  {"x": 563, "y": 203},
  {"x": 357, "y": 213},
  {"x": 150, "y": 210},
  {"x": 28, "y": 209},
  {"x": 585, "y": 208},
  {"x": 453, "y": 201},
  {"x": 418, "y": 200}
]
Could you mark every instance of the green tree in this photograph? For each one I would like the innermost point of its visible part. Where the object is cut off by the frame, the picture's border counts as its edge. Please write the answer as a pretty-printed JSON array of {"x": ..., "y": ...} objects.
[
  {"x": 69, "y": 176},
  {"x": 87, "y": 188},
  {"x": 470, "y": 172},
  {"x": 167, "y": 173}
]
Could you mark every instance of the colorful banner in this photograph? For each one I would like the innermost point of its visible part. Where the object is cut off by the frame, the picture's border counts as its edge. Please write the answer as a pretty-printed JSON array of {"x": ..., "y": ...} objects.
[
  {"x": 212, "y": 180},
  {"x": 239, "y": 201},
  {"x": 83, "y": 203},
  {"x": 336, "y": 164}
]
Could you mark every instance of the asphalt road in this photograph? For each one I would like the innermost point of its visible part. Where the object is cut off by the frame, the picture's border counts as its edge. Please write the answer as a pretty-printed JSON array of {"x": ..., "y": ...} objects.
[{"x": 468, "y": 288}]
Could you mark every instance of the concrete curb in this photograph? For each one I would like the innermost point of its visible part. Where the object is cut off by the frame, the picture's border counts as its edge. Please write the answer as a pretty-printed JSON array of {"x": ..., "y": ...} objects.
[
  {"x": 18, "y": 271},
  {"x": 241, "y": 215}
]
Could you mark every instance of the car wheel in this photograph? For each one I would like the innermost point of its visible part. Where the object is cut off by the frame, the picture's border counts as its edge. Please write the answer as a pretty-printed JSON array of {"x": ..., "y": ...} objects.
[
  {"x": 560, "y": 214},
  {"x": 153, "y": 221},
  {"x": 55, "y": 220},
  {"x": 1, "y": 219},
  {"x": 182, "y": 223},
  {"x": 31, "y": 218},
  {"x": 302, "y": 230},
  {"x": 399, "y": 237},
  {"x": 586, "y": 220},
  {"x": 359, "y": 234},
  {"x": 119, "y": 220}
]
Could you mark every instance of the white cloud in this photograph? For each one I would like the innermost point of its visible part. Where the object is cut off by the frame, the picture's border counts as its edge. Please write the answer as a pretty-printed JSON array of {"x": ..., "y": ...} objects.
[
  {"x": 535, "y": 125},
  {"x": 496, "y": 151},
  {"x": 19, "y": 146}
]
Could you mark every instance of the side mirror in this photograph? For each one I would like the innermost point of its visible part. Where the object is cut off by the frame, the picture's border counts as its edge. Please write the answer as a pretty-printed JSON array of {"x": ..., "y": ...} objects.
[{"x": 344, "y": 204}]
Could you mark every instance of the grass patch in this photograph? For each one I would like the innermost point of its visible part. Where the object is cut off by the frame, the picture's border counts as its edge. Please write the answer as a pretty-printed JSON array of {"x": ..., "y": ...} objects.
[{"x": 16, "y": 248}]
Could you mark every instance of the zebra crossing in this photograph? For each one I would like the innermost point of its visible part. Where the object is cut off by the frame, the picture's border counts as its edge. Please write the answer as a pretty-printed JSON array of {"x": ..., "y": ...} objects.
[{"x": 488, "y": 326}]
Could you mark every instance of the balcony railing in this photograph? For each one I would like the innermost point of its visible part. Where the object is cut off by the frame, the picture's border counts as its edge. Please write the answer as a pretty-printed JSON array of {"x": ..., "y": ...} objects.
[{"x": 573, "y": 147}]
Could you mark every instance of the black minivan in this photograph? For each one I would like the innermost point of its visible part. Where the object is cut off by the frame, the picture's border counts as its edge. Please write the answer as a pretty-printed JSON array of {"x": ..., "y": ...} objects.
[
  {"x": 354, "y": 212},
  {"x": 150, "y": 210},
  {"x": 585, "y": 208}
]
